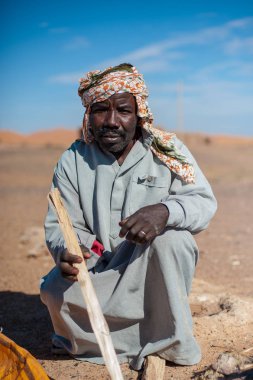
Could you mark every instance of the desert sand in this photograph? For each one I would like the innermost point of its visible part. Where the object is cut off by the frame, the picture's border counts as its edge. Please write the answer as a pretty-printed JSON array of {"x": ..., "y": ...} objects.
[{"x": 221, "y": 297}]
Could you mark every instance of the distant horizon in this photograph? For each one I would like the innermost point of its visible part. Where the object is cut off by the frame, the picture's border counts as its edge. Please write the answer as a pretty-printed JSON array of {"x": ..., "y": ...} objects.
[
  {"x": 196, "y": 58},
  {"x": 59, "y": 128}
]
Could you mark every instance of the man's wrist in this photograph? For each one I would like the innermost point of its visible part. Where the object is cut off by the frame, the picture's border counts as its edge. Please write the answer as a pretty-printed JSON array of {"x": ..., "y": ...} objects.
[{"x": 167, "y": 210}]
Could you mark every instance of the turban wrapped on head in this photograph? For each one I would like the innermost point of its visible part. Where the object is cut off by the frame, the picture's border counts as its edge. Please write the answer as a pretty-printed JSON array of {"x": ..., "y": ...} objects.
[{"x": 97, "y": 86}]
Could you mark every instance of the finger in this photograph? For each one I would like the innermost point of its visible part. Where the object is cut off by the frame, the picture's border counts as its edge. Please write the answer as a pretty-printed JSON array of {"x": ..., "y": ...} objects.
[
  {"x": 85, "y": 251},
  {"x": 146, "y": 232},
  {"x": 139, "y": 235},
  {"x": 144, "y": 240},
  {"x": 139, "y": 230},
  {"x": 157, "y": 230},
  {"x": 70, "y": 278},
  {"x": 67, "y": 269},
  {"x": 128, "y": 224},
  {"x": 149, "y": 236},
  {"x": 144, "y": 235},
  {"x": 123, "y": 221},
  {"x": 68, "y": 257},
  {"x": 134, "y": 231}
]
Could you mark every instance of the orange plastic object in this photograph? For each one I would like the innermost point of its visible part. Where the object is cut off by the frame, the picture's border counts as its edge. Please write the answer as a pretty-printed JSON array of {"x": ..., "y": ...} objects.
[{"x": 17, "y": 363}]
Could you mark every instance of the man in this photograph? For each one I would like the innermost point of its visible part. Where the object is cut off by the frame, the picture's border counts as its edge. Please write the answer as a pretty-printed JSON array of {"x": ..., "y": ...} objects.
[{"x": 135, "y": 196}]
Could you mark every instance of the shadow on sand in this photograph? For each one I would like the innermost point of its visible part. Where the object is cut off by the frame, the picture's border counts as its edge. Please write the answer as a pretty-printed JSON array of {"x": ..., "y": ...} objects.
[{"x": 25, "y": 319}]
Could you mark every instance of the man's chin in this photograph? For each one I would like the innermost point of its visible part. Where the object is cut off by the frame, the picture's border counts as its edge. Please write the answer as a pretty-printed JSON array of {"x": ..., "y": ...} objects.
[{"x": 112, "y": 147}]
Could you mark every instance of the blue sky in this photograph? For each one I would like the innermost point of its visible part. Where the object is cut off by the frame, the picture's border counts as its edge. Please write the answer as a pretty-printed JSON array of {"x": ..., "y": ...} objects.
[{"x": 196, "y": 57}]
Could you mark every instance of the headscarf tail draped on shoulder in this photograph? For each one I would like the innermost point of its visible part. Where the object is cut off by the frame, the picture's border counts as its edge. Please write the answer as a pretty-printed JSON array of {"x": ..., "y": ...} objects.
[{"x": 98, "y": 86}]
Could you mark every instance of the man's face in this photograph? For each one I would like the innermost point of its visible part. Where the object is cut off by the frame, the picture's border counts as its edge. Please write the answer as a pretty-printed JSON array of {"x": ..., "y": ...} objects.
[{"x": 114, "y": 121}]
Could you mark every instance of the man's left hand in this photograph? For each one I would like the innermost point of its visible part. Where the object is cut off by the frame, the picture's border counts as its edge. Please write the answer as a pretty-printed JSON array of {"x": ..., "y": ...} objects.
[{"x": 145, "y": 224}]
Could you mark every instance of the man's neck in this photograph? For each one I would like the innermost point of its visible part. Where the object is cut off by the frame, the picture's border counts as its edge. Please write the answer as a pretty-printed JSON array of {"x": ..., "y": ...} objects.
[{"x": 121, "y": 156}]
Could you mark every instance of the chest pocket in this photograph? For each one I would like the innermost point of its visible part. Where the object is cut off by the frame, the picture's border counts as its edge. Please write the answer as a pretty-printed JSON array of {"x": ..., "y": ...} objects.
[{"x": 148, "y": 190}]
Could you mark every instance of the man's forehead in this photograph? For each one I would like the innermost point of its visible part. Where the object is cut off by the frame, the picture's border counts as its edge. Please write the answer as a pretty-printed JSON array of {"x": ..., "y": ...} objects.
[{"x": 122, "y": 97}]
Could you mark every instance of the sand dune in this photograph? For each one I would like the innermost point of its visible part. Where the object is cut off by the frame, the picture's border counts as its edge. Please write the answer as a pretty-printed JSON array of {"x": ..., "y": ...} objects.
[
  {"x": 63, "y": 137},
  {"x": 59, "y": 136}
]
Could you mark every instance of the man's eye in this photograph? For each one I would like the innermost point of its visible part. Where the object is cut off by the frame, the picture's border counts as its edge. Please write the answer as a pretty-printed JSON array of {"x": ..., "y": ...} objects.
[
  {"x": 98, "y": 110},
  {"x": 124, "y": 110}
]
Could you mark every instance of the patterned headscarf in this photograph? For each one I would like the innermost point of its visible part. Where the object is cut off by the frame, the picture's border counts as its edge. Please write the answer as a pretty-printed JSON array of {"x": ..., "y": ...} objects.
[{"x": 98, "y": 86}]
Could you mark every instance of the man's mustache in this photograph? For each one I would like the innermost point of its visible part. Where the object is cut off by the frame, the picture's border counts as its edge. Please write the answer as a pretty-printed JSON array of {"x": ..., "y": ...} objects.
[{"x": 110, "y": 132}]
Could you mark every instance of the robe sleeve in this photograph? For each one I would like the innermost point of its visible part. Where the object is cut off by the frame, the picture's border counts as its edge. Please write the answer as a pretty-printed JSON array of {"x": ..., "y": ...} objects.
[
  {"x": 191, "y": 206},
  {"x": 65, "y": 179}
]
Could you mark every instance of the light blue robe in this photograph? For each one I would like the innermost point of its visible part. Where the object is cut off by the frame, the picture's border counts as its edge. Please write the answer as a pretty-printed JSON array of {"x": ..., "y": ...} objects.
[{"x": 142, "y": 289}]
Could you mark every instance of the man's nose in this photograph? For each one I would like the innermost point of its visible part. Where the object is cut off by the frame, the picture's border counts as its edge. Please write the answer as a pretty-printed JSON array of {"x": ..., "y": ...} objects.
[{"x": 111, "y": 119}]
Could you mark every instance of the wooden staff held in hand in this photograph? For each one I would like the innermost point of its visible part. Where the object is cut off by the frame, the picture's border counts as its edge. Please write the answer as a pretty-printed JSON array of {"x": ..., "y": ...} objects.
[{"x": 97, "y": 320}]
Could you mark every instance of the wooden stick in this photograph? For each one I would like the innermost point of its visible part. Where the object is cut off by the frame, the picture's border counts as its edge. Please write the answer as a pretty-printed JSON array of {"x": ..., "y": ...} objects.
[
  {"x": 154, "y": 368},
  {"x": 97, "y": 320}
]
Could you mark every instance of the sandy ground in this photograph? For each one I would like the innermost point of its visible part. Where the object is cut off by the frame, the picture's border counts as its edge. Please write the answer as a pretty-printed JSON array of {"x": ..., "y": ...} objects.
[{"x": 221, "y": 297}]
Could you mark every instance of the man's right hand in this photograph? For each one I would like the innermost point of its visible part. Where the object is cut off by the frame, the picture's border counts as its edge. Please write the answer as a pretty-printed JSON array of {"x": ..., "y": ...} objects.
[{"x": 67, "y": 260}]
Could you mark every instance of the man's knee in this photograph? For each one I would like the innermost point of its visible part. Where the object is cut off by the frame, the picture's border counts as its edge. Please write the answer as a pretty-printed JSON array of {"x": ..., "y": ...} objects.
[
  {"x": 175, "y": 253},
  {"x": 52, "y": 287},
  {"x": 179, "y": 243}
]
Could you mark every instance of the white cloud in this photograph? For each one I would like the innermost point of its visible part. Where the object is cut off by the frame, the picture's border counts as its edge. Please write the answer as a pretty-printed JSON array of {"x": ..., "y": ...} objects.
[
  {"x": 78, "y": 42},
  {"x": 155, "y": 63},
  {"x": 67, "y": 78},
  {"x": 170, "y": 49},
  {"x": 169, "y": 54},
  {"x": 241, "y": 23},
  {"x": 153, "y": 66},
  {"x": 216, "y": 95},
  {"x": 230, "y": 68},
  {"x": 240, "y": 45}
]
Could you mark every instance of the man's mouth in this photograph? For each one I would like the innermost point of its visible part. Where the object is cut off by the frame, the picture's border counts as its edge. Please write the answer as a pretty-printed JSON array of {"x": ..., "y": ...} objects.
[{"x": 111, "y": 137}]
